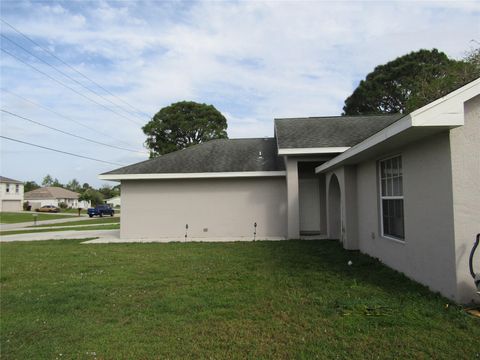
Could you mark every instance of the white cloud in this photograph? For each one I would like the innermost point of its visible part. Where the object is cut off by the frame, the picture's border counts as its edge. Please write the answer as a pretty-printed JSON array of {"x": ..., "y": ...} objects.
[{"x": 253, "y": 60}]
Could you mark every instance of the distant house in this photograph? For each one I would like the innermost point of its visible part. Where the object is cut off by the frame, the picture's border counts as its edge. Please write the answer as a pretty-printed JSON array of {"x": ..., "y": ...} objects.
[
  {"x": 11, "y": 194},
  {"x": 52, "y": 195},
  {"x": 114, "y": 201}
]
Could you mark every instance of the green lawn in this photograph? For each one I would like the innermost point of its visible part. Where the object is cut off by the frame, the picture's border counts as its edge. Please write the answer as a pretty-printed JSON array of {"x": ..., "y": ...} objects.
[
  {"x": 77, "y": 228},
  {"x": 13, "y": 217},
  {"x": 85, "y": 221},
  {"x": 278, "y": 300}
]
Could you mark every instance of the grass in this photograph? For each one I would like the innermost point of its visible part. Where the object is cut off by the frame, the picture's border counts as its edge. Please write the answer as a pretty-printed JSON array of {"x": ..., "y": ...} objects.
[
  {"x": 277, "y": 300},
  {"x": 14, "y": 217},
  {"x": 77, "y": 228},
  {"x": 86, "y": 221}
]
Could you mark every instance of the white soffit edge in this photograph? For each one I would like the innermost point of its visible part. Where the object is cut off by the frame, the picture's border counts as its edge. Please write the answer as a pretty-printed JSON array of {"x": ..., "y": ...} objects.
[
  {"x": 192, "y": 175},
  {"x": 306, "y": 151}
]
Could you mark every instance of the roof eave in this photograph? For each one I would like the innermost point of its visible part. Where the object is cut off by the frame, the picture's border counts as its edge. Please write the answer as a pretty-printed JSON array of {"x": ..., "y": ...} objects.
[{"x": 204, "y": 175}]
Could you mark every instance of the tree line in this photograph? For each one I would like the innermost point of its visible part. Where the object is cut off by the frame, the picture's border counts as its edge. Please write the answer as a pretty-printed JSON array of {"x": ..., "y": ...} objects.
[{"x": 86, "y": 191}]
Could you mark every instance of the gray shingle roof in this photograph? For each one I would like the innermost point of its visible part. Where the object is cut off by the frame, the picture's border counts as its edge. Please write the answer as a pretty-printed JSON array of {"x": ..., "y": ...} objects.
[
  {"x": 50, "y": 192},
  {"x": 4, "y": 179},
  {"x": 221, "y": 155},
  {"x": 334, "y": 131}
]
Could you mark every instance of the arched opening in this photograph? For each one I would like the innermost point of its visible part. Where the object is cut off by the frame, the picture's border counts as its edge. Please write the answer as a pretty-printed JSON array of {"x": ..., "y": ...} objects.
[{"x": 334, "y": 214}]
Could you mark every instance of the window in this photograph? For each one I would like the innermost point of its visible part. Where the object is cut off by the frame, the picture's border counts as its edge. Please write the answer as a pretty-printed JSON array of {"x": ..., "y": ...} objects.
[
  {"x": 391, "y": 197},
  {"x": 7, "y": 188},
  {"x": 17, "y": 188}
]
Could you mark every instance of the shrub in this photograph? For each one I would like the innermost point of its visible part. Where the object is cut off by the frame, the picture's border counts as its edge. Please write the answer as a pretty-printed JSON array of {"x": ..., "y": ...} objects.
[{"x": 62, "y": 205}]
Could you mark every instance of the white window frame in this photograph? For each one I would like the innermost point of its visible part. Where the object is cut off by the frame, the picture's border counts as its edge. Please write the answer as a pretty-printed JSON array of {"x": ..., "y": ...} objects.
[
  {"x": 7, "y": 188},
  {"x": 389, "y": 197},
  {"x": 17, "y": 189}
]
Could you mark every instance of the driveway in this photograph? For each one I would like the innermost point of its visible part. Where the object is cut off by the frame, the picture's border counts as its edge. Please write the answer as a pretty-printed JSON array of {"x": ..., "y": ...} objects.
[{"x": 106, "y": 235}]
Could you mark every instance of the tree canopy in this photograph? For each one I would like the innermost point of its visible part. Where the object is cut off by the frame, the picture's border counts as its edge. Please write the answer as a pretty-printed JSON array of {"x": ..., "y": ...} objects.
[
  {"x": 410, "y": 81},
  {"x": 183, "y": 124},
  {"x": 49, "y": 181}
]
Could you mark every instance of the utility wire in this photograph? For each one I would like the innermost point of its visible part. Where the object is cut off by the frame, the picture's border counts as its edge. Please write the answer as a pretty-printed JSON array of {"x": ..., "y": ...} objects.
[
  {"x": 68, "y": 133},
  {"x": 71, "y": 67},
  {"x": 69, "y": 87},
  {"x": 65, "y": 74},
  {"x": 64, "y": 117},
  {"x": 60, "y": 151}
]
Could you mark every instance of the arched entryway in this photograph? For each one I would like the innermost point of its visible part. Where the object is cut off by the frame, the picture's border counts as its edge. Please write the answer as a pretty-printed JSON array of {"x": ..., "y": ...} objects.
[{"x": 334, "y": 212}]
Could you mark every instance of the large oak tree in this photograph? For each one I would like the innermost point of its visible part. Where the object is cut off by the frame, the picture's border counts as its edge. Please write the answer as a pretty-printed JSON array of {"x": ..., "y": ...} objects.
[
  {"x": 183, "y": 124},
  {"x": 409, "y": 82}
]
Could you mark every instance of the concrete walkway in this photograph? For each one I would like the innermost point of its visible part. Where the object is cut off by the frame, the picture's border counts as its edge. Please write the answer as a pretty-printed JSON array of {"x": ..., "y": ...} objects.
[{"x": 107, "y": 235}]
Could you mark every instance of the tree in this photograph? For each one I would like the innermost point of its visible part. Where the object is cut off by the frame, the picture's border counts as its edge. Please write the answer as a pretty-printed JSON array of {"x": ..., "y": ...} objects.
[
  {"x": 400, "y": 86},
  {"x": 47, "y": 180},
  {"x": 74, "y": 185},
  {"x": 30, "y": 185},
  {"x": 108, "y": 191},
  {"x": 92, "y": 195},
  {"x": 458, "y": 74},
  {"x": 183, "y": 124},
  {"x": 85, "y": 187}
]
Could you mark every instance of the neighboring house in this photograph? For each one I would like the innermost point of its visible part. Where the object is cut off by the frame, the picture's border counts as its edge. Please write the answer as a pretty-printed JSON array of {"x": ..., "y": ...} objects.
[
  {"x": 11, "y": 194},
  {"x": 52, "y": 195},
  {"x": 404, "y": 189},
  {"x": 114, "y": 202}
]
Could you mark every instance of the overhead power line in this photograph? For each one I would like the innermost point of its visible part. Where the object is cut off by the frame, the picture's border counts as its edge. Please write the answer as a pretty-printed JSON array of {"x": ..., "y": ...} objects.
[
  {"x": 65, "y": 117},
  {"x": 60, "y": 151},
  {"x": 71, "y": 67},
  {"x": 65, "y": 74},
  {"x": 68, "y": 87},
  {"x": 68, "y": 133}
]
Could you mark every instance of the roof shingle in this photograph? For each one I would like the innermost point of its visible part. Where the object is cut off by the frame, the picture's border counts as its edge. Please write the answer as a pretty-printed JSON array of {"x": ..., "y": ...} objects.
[
  {"x": 4, "y": 179},
  {"x": 221, "y": 155},
  {"x": 50, "y": 192},
  {"x": 333, "y": 131}
]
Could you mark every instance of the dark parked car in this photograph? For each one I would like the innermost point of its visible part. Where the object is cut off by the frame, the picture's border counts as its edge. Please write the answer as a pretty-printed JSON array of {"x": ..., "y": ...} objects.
[
  {"x": 48, "y": 208},
  {"x": 100, "y": 210}
]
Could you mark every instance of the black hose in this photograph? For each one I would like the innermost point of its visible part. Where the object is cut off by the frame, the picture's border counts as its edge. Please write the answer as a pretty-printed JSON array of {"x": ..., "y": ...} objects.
[{"x": 470, "y": 260}]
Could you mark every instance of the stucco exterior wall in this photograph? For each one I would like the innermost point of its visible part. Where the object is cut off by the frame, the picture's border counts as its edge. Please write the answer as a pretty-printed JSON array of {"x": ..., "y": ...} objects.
[
  {"x": 465, "y": 147},
  {"x": 427, "y": 254},
  {"x": 226, "y": 208}
]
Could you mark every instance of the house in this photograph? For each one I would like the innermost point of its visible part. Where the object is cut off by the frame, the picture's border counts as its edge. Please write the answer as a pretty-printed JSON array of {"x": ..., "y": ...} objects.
[
  {"x": 403, "y": 189},
  {"x": 53, "y": 195},
  {"x": 11, "y": 194},
  {"x": 114, "y": 201}
]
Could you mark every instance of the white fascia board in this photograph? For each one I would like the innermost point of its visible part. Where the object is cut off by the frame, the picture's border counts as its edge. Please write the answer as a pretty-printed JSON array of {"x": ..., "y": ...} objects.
[
  {"x": 307, "y": 151},
  {"x": 192, "y": 175},
  {"x": 391, "y": 130},
  {"x": 448, "y": 110}
]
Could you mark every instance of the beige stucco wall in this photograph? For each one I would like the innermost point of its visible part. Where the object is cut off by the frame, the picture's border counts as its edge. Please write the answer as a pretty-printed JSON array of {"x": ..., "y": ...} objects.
[
  {"x": 465, "y": 145},
  {"x": 228, "y": 208},
  {"x": 427, "y": 255}
]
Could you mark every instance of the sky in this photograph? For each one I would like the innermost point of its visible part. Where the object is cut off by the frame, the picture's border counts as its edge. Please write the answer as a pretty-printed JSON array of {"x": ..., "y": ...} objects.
[{"x": 253, "y": 60}]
